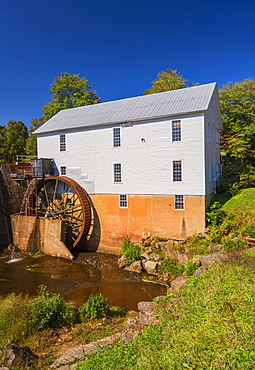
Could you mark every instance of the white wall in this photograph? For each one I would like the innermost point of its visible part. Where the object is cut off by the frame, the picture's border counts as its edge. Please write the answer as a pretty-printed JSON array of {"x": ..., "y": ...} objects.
[{"x": 146, "y": 164}]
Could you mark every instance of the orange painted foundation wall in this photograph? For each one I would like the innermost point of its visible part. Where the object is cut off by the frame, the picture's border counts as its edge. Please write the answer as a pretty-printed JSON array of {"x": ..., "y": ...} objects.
[{"x": 152, "y": 215}]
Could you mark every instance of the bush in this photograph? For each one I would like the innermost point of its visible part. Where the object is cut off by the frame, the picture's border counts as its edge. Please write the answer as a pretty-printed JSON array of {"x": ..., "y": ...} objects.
[
  {"x": 14, "y": 319},
  {"x": 95, "y": 307},
  {"x": 215, "y": 214},
  {"x": 172, "y": 266},
  {"x": 234, "y": 245},
  {"x": 49, "y": 311},
  {"x": 130, "y": 251}
]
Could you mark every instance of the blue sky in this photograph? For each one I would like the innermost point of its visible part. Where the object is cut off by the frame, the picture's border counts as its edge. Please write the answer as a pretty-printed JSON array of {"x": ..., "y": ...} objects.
[{"x": 119, "y": 46}]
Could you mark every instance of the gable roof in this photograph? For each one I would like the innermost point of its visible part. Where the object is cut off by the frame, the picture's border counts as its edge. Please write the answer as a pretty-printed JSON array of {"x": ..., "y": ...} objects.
[{"x": 169, "y": 103}]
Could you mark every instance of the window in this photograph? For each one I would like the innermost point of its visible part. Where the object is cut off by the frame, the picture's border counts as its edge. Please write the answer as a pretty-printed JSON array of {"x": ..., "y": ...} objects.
[
  {"x": 123, "y": 201},
  {"x": 176, "y": 131},
  {"x": 62, "y": 170},
  {"x": 63, "y": 143},
  {"x": 177, "y": 170},
  {"x": 178, "y": 202},
  {"x": 116, "y": 137},
  {"x": 117, "y": 172}
]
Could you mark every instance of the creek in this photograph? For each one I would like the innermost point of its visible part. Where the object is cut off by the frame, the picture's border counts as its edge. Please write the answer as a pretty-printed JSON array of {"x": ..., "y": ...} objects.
[{"x": 89, "y": 273}]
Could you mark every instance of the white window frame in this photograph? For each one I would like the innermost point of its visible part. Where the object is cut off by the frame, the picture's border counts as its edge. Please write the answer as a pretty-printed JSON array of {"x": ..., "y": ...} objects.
[
  {"x": 117, "y": 173},
  {"x": 176, "y": 131},
  {"x": 116, "y": 137},
  {"x": 62, "y": 170},
  {"x": 176, "y": 173},
  {"x": 62, "y": 143},
  {"x": 123, "y": 200},
  {"x": 179, "y": 202}
]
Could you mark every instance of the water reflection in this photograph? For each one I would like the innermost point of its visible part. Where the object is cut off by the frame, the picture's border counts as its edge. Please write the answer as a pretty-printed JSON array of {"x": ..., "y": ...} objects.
[{"x": 90, "y": 273}]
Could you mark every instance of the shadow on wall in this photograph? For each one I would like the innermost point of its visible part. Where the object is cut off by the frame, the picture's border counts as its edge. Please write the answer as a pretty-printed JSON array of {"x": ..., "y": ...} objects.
[{"x": 92, "y": 244}]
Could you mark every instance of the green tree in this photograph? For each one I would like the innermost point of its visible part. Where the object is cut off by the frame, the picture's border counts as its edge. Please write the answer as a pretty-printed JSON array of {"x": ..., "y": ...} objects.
[
  {"x": 237, "y": 101},
  {"x": 165, "y": 81},
  {"x": 31, "y": 144},
  {"x": 16, "y": 137},
  {"x": 69, "y": 91},
  {"x": 3, "y": 149}
]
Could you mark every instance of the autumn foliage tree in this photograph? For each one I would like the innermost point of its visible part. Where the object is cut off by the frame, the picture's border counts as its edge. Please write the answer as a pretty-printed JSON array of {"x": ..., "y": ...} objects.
[{"x": 69, "y": 91}]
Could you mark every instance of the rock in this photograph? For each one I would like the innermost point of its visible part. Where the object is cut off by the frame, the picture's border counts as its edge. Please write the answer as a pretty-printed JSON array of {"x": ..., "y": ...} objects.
[
  {"x": 177, "y": 283},
  {"x": 198, "y": 271},
  {"x": 182, "y": 258},
  {"x": 132, "y": 329},
  {"x": 147, "y": 313},
  {"x": 151, "y": 267},
  {"x": 155, "y": 257},
  {"x": 77, "y": 353},
  {"x": 165, "y": 276},
  {"x": 197, "y": 260},
  {"x": 122, "y": 261},
  {"x": 145, "y": 256},
  {"x": 22, "y": 357},
  {"x": 135, "y": 266},
  {"x": 170, "y": 252},
  {"x": 211, "y": 259}
]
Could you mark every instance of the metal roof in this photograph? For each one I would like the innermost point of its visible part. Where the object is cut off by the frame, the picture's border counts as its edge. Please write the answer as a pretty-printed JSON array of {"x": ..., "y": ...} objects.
[{"x": 164, "y": 104}]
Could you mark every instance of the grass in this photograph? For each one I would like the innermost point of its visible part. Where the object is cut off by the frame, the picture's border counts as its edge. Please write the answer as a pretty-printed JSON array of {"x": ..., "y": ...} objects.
[{"x": 209, "y": 325}]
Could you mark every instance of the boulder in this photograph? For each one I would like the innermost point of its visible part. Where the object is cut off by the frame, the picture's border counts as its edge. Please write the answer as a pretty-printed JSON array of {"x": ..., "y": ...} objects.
[
  {"x": 198, "y": 271},
  {"x": 122, "y": 261},
  {"x": 182, "y": 258},
  {"x": 151, "y": 267},
  {"x": 145, "y": 256},
  {"x": 211, "y": 259},
  {"x": 135, "y": 266},
  {"x": 147, "y": 313},
  {"x": 155, "y": 257},
  {"x": 21, "y": 357},
  {"x": 177, "y": 283},
  {"x": 77, "y": 353},
  {"x": 132, "y": 329}
]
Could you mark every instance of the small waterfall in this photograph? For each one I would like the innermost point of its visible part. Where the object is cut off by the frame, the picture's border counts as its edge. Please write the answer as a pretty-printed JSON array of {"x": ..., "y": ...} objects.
[
  {"x": 30, "y": 185},
  {"x": 15, "y": 255}
]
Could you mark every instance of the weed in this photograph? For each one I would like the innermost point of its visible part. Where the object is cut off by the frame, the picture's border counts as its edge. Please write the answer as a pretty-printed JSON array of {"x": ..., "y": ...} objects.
[
  {"x": 234, "y": 245},
  {"x": 49, "y": 310},
  {"x": 190, "y": 268},
  {"x": 171, "y": 266},
  {"x": 130, "y": 251},
  {"x": 95, "y": 307}
]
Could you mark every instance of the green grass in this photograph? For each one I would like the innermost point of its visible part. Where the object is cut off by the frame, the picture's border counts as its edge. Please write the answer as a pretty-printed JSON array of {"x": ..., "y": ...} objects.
[
  {"x": 209, "y": 325},
  {"x": 242, "y": 202}
]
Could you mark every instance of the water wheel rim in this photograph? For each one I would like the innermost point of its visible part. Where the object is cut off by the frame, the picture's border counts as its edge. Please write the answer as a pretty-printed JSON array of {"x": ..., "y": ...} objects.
[{"x": 63, "y": 209}]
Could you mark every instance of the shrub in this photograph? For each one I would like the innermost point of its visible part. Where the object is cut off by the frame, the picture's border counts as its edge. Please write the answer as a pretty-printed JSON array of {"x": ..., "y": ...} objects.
[
  {"x": 130, "y": 251},
  {"x": 14, "y": 318},
  {"x": 234, "y": 245},
  {"x": 49, "y": 311},
  {"x": 215, "y": 214},
  {"x": 95, "y": 307},
  {"x": 171, "y": 266}
]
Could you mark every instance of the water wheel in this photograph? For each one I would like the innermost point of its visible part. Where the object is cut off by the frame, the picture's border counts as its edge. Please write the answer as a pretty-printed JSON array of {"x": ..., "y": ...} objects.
[{"x": 59, "y": 197}]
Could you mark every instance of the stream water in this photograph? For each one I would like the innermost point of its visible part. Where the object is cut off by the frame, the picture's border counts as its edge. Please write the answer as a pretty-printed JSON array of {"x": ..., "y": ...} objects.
[{"x": 89, "y": 273}]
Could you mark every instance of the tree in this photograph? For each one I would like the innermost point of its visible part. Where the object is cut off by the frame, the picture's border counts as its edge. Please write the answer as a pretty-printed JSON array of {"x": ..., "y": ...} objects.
[
  {"x": 3, "y": 151},
  {"x": 16, "y": 137},
  {"x": 31, "y": 144},
  {"x": 69, "y": 91},
  {"x": 237, "y": 101},
  {"x": 169, "y": 80}
]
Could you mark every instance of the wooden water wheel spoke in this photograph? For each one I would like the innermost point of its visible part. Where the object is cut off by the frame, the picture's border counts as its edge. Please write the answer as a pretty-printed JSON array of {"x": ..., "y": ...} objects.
[{"x": 71, "y": 206}]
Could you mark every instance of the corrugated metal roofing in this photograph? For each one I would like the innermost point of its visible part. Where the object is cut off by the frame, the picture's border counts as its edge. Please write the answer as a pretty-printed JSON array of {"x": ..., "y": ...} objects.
[{"x": 169, "y": 103}]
